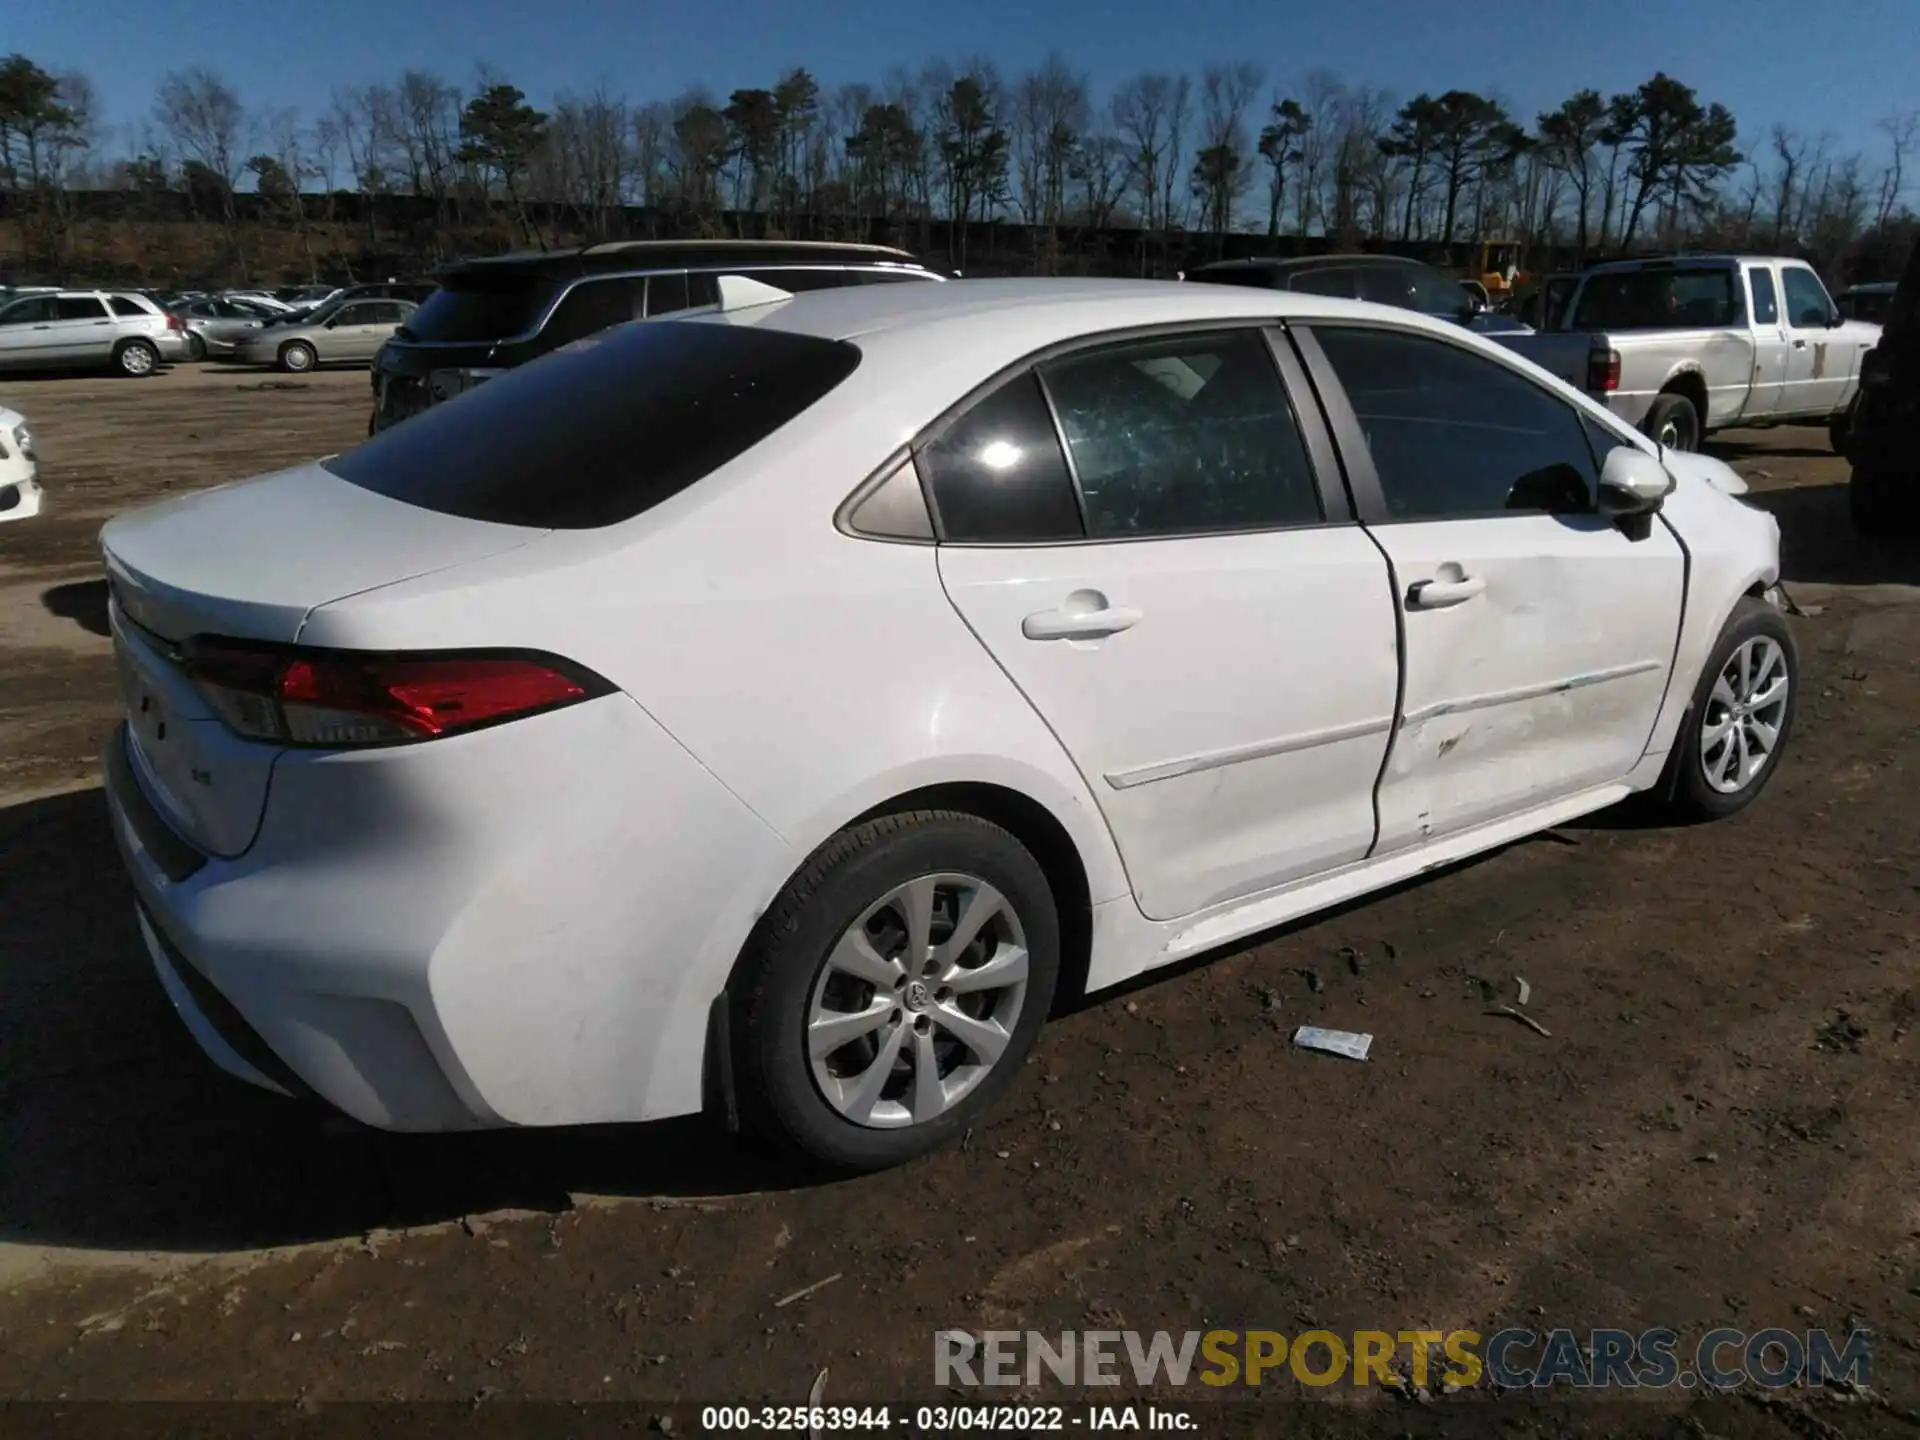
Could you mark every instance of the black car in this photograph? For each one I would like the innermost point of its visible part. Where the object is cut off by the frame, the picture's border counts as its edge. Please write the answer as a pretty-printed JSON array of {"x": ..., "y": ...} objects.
[
  {"x": 491, "y": 315},
  {"x": 1383, "y": 279},
  {"x": 1883, "y": 438}
]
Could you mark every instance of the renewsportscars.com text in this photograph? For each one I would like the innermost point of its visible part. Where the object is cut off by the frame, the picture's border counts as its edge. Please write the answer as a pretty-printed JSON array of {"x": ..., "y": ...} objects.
[{"x": 1436, "y": 1360}]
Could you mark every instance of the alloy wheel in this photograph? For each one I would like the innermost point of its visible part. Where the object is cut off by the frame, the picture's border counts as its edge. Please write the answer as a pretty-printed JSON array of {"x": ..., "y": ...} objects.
[
  {"x": 1745, "y": 712},
  {"x": 917, "y": 1001}
]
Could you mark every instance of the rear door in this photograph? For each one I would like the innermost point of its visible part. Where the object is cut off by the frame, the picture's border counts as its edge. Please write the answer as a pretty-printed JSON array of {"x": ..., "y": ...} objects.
[
  {"x": 1538, "y": 636},
  {"x": 1771, "y": 344},
  {"x": 83, "y": 331},
  {"x": 1150, "y": 539},
  {"x": 26, "y": 333}
]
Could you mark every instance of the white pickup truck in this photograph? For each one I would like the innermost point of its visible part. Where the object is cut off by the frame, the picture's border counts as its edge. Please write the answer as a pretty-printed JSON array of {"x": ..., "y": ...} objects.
[{"x": 1683, "y": 347}]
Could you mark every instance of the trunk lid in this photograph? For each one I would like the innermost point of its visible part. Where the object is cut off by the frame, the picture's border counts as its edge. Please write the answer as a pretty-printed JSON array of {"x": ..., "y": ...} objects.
[{"x": 249, "y": 561}]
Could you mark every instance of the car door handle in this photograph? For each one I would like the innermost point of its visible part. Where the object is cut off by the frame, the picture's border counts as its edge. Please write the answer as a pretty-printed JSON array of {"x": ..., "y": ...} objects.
[
  {"x": 1799, "y": 344},
  {"x": 1081, "y": 625},
  {"x": 1438, "y": 594},
  {"x": 43, "y": 327}
]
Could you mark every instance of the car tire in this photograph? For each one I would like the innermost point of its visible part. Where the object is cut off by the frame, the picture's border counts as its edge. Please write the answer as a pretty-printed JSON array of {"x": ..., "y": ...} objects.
[
  {"x": 297, "y": 357},
  {"x": 1673, "y": 415},
  {"x": 1713, "y": 775},
  {"x": 832, "y": 945},
  {"x": 136, "y": 359},
  {"x": 196, "y": 348}
]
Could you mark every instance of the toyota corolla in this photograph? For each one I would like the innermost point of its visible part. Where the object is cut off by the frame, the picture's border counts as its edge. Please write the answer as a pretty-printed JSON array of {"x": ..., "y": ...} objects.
[{"x": 777, "y": 710}]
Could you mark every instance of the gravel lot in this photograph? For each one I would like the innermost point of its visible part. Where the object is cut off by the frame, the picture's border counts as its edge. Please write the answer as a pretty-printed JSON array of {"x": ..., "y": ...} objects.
[{"x": 1718, "y": 1130}]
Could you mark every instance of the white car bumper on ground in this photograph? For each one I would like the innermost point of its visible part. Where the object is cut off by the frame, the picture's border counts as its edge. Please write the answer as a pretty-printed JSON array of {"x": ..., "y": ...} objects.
[{"x": 20, "y": 495}]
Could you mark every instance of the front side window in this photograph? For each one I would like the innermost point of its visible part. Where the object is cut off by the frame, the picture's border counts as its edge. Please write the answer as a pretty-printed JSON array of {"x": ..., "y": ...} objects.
[
  {"x": 1766, "y": 305},
  {"x": 1807, "y": 301},
  {"x": 1453, "y": 434},
  {"x": 1189, "y": 436},
  {"x": 1253, "y": 277},
  {"x": 998, "y": 474},
  {"x": 79, "y": 307},
  {"x": 35, "y": 310}
]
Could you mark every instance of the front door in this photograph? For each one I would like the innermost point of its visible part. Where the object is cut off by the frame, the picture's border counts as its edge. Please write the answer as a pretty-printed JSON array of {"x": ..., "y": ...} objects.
[
  {"x": 1771, "y": 345},
  {"x": 353, "y": 334},
  {"x": 1819, "y": 357},
  {"x": 1538, "y": 636},
  {"x": 1218, "y": 660},
  {"x": 26, "y": 333}
]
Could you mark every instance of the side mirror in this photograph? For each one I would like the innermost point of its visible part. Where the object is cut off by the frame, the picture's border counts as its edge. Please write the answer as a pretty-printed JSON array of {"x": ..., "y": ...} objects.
[
  {"x": 1632, "y": 482},
  {"x": 1835, "y": 319}
]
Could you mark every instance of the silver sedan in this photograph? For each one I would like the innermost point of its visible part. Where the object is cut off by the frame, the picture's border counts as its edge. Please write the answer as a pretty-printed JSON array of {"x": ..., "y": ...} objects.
[
  {"x": 220, "y": 326},
  {"x": 346, "y": 334}
]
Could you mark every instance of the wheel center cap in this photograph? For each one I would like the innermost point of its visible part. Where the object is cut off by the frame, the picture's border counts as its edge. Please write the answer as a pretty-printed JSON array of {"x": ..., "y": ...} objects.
[{"x": 918, "y": 997}]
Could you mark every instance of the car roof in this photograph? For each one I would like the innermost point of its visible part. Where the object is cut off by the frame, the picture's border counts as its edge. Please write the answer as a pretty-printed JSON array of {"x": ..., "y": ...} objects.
[
  {"x": 1043, "y": 312},
  {"x": 623, "y": 255}
]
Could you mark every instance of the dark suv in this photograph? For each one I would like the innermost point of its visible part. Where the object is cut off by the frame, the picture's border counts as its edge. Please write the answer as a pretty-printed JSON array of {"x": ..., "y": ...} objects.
[
  {"x": 1883, "y": 440},
  {"x": 490, "y": 315},
  {"x": 1383, "y": 279}
]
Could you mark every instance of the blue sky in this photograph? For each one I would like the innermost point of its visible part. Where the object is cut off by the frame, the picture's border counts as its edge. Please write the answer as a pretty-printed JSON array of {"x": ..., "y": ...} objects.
[{"x": 1834, "y": 67}]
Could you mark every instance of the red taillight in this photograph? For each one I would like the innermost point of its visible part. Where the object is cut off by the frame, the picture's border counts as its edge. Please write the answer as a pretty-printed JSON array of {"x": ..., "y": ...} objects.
[
  {"x": 173, "y": 322},
  {"x": 1603, "y": 372},
  {"x": 344, "y": 698}
]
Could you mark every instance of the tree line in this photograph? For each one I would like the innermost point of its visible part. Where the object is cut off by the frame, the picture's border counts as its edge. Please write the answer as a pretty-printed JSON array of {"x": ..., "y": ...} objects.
[{"x": 957, "y": 145}]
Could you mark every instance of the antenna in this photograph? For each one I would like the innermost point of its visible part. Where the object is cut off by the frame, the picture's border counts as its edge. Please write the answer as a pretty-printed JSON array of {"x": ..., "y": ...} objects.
[{"x": 737, "y": 292}]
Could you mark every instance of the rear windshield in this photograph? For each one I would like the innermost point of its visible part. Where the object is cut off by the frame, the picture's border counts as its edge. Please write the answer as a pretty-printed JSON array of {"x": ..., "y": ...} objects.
[
  {"x": 473, "y": 309},
  {"x": 604, "y": 430},
  {"x": 1656, "y": 300}
]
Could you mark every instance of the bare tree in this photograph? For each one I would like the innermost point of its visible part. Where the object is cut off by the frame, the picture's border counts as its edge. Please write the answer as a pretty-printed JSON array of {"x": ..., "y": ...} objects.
[
  {"x": 1222, "y": 166},
  {"x": 1048, "y": 114},
  {"x": 203, "y": 117},
  {"x": 1141, "y": 110},
  {"x": 1901, "y": 132},
  {"x": 1321, "y": 94},
  {"x": 1790, "y": 149}
]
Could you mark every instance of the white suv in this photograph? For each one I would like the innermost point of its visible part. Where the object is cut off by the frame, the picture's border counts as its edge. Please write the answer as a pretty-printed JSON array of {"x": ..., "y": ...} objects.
[{"x": 87, "y": 329}]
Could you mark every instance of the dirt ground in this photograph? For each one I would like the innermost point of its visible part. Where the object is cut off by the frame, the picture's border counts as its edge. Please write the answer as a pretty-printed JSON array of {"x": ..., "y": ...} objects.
[{"x": 1719, "y": 1129}]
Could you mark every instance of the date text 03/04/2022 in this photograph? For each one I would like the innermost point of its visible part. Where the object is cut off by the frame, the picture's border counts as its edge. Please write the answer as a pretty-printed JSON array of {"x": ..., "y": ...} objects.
[{"x": 942, "y": 1419}]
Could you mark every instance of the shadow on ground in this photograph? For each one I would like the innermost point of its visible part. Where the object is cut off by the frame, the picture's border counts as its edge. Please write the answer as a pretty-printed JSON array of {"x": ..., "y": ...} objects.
[
  {"x": 1754, "y": 445},
  {"x": 1818, "y": 543},
  {"x": 84, "y": 602},
  {"x": 119, "y": 1135}
]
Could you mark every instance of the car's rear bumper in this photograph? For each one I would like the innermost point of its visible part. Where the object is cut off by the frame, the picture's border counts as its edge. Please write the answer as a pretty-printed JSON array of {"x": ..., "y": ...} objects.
[
  {"x": 525, "y": 925},
  {"x": 172, "y": 345}
]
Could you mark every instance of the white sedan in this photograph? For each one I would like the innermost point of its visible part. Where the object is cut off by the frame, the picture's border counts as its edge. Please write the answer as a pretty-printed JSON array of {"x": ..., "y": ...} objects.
[
  {"x": 778, "y": 709},
  {"x": 19, "y": 484}
]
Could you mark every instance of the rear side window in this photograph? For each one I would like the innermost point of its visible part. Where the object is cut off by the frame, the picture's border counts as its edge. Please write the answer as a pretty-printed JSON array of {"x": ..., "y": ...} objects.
[
  {"x": 1766, "y": 305},
  {"x": 998, "y": 474},
  {"x": 798, "y": 281},
  {"x": 1191, "y": 436},
  {"x": 1251, "y": 276},
  {"x": 478, "y": 309},
  {"x": 79, "y": 307},
  {"x": 667, "y": 293},
  {"x": 885, "y": 277},
  {"x": 1656, "y": 299},
  {"x": 121, "y": 305},
  {"x": 592, "y": 306},
  {"x": 600, "y": 434}
]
